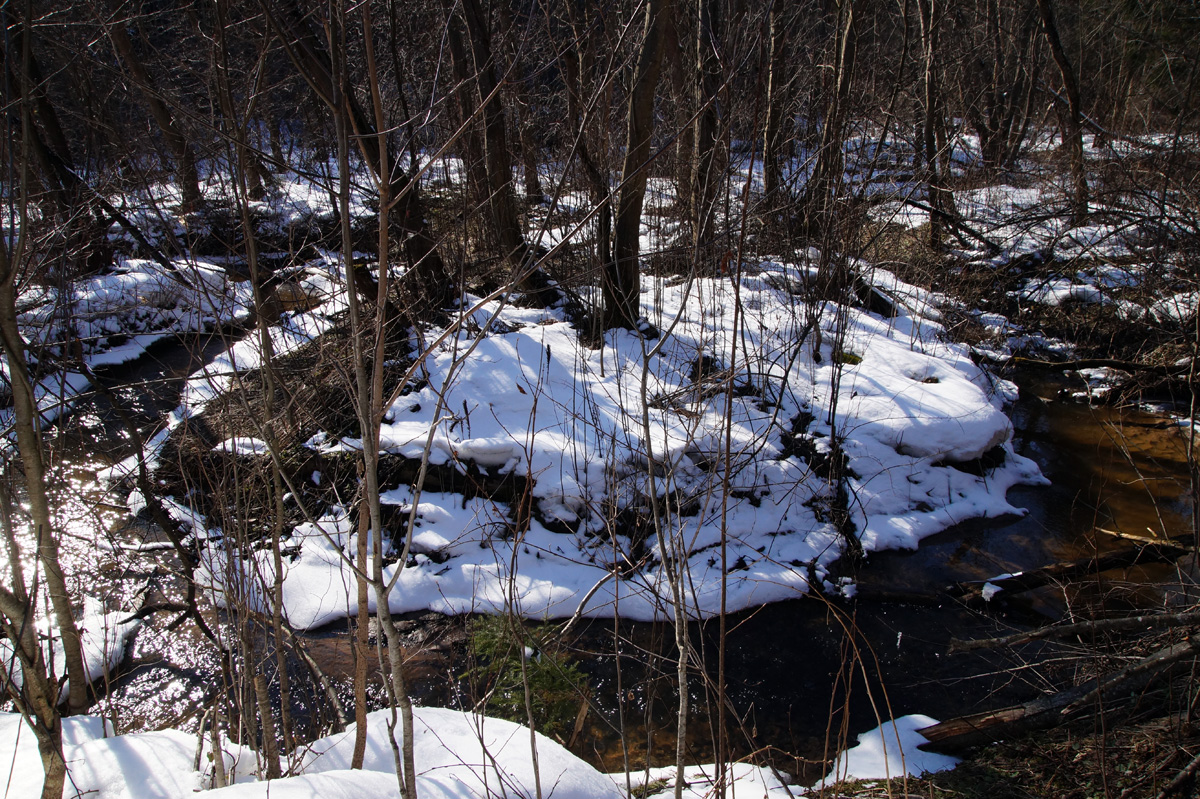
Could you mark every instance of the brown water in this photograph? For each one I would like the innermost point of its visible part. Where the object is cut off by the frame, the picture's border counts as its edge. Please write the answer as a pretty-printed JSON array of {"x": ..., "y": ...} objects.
[
  {"x": 804, "y": 675},
  {"x": 1121, "y": 470}
]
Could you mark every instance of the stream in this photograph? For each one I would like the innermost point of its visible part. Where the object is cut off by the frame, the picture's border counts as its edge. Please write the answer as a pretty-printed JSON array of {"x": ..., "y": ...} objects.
[{"x": 803, "y": 675}]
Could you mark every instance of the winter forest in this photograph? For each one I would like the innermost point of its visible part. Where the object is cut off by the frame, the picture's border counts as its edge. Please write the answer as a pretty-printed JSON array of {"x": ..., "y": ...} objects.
[{"x": 436, "y": 399}]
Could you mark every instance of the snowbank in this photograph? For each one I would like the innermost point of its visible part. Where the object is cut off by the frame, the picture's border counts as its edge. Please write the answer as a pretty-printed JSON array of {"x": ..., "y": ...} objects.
[
  {"x": 520, "y": 395},
  {"x": 889, "y": 751},
  {"x": 458, "y": 756},
  {"x": 21, "y": 771}
]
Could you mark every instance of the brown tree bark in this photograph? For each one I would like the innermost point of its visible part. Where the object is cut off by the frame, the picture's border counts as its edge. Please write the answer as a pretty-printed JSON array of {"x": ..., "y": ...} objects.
[
  {"x": 708, "y": 164},
  {"x": 186, "y": 174},
  {"x": 621, "y": 279},
  {"x": 577, "y": 68},
  {"x": 37, "y": 701},
  {"x": 1073, "y": 133},
  {"x": 777, "y": 79},
  {"x": 430, "y": 282},
  {"x": 502, "y": 199},
  {"x": 466, "y": 102},
  {"x": 685, "y": 141},
  {"x": 935, "y": 191},
  {"x": 27, "y": 426},
  {"x": 825, "y": 184}
]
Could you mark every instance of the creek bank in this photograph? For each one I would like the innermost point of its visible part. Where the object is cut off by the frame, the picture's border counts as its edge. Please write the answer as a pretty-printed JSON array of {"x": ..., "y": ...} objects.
[{"x": 787, "y": 698}]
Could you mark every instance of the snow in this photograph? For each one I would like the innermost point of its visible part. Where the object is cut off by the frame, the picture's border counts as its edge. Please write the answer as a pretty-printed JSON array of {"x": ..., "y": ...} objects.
[
  {"x": 599, "y": 434},
  {"x": 21, "y": 771},
  {"x": 889, "y": 751},
  {"x": 512, "y": 391},
  {"x": 242, "y": 445},
  {"x": 458, "y": 755},
  {"x": 147, "y": 765},
  {"x": 742, "y": 781},
  {"x": 344, "y": 784}
]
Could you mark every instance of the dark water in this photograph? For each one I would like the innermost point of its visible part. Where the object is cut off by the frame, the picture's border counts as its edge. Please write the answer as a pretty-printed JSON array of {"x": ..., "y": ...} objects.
[{"x": 807, "y": 675}]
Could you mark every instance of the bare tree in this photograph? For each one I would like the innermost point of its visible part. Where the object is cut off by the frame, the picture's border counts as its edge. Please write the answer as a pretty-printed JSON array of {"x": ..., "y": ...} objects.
[
  {"x": 1073, "y": 132},
  {"x": 621, "y": 277},
  {"x": 427, "y": 276},
  {"x": 779, "y": 78},
  {"x": 708, "y": 168},
  {"x": 186, "y": 174},
  {"x": 37, "y": 693},
  {"x": 824, "y": 185}
]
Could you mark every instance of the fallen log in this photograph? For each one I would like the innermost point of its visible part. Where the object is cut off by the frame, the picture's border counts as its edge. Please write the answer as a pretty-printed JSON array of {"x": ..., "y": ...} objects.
[
  {"x": 1174, "y": 370},
  {"x": 1151, "y": 621},
  {"x": 973, "y": 592},
  {"x": 1052, "y": 710}
]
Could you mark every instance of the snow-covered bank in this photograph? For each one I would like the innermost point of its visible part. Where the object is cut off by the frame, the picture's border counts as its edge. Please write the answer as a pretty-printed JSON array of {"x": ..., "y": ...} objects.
[
  {"x": 602, "y": 435},
  {"x": 889, "y": 751},
  {"x": 458, "y": 755}
]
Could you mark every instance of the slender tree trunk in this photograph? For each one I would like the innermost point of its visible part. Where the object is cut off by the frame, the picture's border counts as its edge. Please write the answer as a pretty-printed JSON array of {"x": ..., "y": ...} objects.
[
  {"x": 621, "y": 280},
  {"x": 186, "y": 174},
  {"x": 825, "y": 185},
  {"x": 37, "y": 699},
  {"x": 429, "y": 279},
  {"x": 1073, "y": 133},
  {"x": 529, "y": 152},
  {"x": 685, "y": 142},
  {"x": 471, "y": 150},
  {"x": 501, "y": 197},
  {"x": 777, "y": 79},
  {"x": 576, "y": 65},
  {"x": 27, "y": 426},
  {"x": 236, "y": 127},
  {"x": 521, "y": 101},
  {"x": 929, "y": 125},
  {"x": 708, "y": 167}
]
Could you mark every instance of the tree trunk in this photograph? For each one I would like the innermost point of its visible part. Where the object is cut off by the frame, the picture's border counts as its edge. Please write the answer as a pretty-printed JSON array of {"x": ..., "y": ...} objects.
[
  {"x": 576, "y": 65},
  {"x": 37, "y": 700},
  {"x": 186, "y": 174},
  {"x": 1073, "y": 132},
  {"x": 708, "y": 167},
  {"x": 777, "y": 79},
  {"x": 825, "y": 185},
  {"x": 471, "y": 150},
  {"x": 685, "y": 142},
  {"x": 429, "y": 279},
  {"x": 501, "y": 197},
  {"x": 621, "y": 278},
  {"x": 27, "y": 425},
  {"x": 931, "y": 153}
]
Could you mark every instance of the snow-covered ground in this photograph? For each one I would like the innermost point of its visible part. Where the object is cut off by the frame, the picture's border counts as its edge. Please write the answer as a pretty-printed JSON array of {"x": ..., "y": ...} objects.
[
  {"x": 457, "y": 755},
  {"x": 514, "y": 391}
]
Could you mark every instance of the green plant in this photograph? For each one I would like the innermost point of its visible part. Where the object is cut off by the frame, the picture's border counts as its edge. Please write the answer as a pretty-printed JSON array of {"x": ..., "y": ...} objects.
[{"x": 556, "y": 685}]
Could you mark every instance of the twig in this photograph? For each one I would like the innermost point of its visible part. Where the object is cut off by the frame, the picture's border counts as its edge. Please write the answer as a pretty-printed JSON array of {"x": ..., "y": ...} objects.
[{"x": 1186, "y": 773}]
